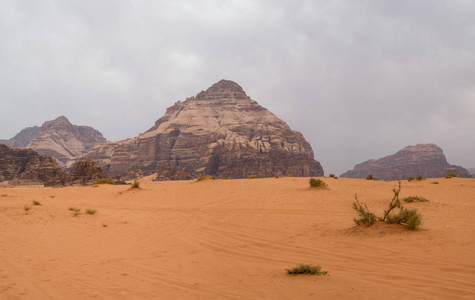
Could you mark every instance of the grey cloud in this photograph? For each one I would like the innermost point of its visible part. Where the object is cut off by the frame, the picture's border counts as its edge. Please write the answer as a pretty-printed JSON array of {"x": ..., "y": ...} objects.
[{"x": 360, "y": 79}]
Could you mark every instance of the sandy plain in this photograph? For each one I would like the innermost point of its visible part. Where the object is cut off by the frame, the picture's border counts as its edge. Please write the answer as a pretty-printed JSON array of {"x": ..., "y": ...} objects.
[{"x": 233, "y": 239}]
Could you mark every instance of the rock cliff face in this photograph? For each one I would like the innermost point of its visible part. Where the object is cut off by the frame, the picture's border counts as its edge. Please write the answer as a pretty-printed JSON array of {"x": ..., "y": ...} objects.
[
  {"x": 219, "y": 132},
  {"x": 85, "y": 172},
  {"x": 63, "y": 141},
  {"x": 427, "y": 160},
  {"x": 25, "y": 166},
  {"x": 22, "y": 138}
]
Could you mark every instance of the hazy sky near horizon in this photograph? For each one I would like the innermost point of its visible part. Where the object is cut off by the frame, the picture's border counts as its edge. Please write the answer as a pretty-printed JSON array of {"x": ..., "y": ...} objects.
[{"x": 359, "y": 79}]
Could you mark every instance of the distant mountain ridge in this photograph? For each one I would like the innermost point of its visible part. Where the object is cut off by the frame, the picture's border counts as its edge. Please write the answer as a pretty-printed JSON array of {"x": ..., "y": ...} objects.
[
  {"x": 220, "y": 132},
  {"x": 58, "y": 138},
  {"x": 427, "y": 160}
]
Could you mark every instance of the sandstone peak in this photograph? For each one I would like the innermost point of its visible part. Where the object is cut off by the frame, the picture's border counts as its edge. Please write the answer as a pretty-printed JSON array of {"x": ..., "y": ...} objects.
[
  {"x": 223, "y": 89},
  {"x": 59, "y": 121},
  {"x": 427, "y": 160},
  {"x": 221, "y": 132}
]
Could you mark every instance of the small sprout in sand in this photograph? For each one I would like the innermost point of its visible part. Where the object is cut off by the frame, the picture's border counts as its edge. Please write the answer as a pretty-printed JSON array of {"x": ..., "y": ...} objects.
[
  {"x": 314, "y": 183},
  {"x": 415, "y": 199},
  {"x": 120, "y": 193},
  {"x": 52, "y": 196},
  {"x": 90, "y": 211},
  {"x": 35, "y": 202},
  {"x": 26, "y": 208},
  {"x": 135, "y": 185},
  {"x": 104, "y": 225},
  {"x": 76, "y": 211},
  {"x": 306, "y": 269}
]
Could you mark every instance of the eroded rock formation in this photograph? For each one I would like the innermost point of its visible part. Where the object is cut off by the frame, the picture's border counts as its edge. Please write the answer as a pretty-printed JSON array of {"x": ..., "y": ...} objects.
[
  {"x": 427, "y": 160},
  {"x": 63, "y": 140},
  {"x": 25, "y": 166},
  {"x": 219, "y": 132}
]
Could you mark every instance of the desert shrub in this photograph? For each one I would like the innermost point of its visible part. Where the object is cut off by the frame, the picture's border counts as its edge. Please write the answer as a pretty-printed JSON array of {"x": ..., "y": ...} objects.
[
  {"x": 36, "y": 202},
  {"x": 4, "y": 195},
  {"x": 410, "y": 178},
  {"x": 415, "y": 199},
  {"x": 276, "y": 177},
  {"x": 332, "y": 175},
  {"x": 224, "y": 178},
  {"x": 314, "y": 183},
  {"x": 135, "y": 185},
  {"x": 419, "y": 178},
  {"x": 366, "y": 217},
  {"x": 26, "y": 208},
  {"x": 90, "y": 211},
  {"x": 410, "y": 218},
  {"x": 369, "y": 177},
  {"x": 52, "y": 196},
  {"x": 290, "y": 175},
  {"x": 252, "y": 176},
  {"x": 203, "y": 177},
  {"x": 306, "y": 269},
  {"x": 448, "y": 176},
  {"x": 435, "y": 182},
  {"x": 105, "y": 181}
]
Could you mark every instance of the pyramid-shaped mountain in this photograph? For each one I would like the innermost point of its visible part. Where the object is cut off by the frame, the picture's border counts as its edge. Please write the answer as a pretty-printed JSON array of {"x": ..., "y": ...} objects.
[{"x": 220, "y": 132}]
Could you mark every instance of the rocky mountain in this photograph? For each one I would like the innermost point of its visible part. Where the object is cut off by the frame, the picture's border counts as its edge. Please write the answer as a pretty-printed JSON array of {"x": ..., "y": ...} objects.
[
  {"x": 427, "y": 160},
  {"x": 22, "y": 138},
  {"x": 220, "y": 132},
  {"x": 25, "y": 166},
  {"x": 63, "y": 140},
  {"x": 471, "y": 171}
]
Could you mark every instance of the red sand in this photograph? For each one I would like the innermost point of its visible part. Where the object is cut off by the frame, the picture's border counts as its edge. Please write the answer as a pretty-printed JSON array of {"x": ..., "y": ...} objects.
[{"x": 233, "y": 239}]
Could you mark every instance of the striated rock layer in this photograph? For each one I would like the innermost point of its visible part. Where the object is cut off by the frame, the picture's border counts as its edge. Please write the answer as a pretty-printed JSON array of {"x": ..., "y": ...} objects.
[
  {"x": 63, "y": 140},
  {"x": 22, "y": 138},
  {"x": 25, "y": 166},
  {"x": 219, "y": 132},
  {"x": 427, "y": 160}
]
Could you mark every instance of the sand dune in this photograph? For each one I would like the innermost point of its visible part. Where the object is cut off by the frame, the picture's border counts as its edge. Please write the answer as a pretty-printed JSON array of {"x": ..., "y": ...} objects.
[{"x": 233, "y": 239}]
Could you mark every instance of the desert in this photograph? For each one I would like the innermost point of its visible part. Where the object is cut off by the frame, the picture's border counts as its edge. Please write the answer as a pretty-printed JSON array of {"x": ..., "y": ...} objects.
[{"x": 233, "y": 239}]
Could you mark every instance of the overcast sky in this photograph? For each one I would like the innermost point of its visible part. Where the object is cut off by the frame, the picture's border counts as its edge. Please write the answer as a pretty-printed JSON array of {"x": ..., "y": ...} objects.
[{"x": 360, "y": 79}]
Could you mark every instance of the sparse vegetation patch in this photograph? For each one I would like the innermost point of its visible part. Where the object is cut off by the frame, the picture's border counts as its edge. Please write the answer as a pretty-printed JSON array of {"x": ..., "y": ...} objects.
[
  {"x": 411, "y": 199},
  {"x": 135, "y": 185},
  {"x": 410, "y": 218},
  {"x": 306, "y": 269},
  {"x": 448, "y": 176},
  {"x": 105, "y": 181},
  {"x": 36, "y": 202},
  {"x": 90, "y": 211},
  {"x": 410, "y": 178},
  {"x": 314, "y": 183}
]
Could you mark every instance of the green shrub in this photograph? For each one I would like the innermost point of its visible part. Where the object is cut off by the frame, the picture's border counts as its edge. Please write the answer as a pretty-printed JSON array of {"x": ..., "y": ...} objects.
[
  {"x": 314, "y": 183},
  {"x": 105, "y": 181},
  {"x": 306, "y": 269},
  {"x": 52, "y": 196},
  {"x": 332, "y": 175},
  {"x": 410, "y": 218},
  {"x": 410, "y": 178},
  {"x": 4, "y": 195},
  {"x": 435, "y": 182},
  {"x": 448, "y": 176},
  {"x": 369, "y": 177},
  {"x": 90, "y": 211},
  {"x": 36, "y": 202},
  {"x": 411, "y": 199},
  {"x": 419, "y": 178},
  {"x": 366, "y": 217}
]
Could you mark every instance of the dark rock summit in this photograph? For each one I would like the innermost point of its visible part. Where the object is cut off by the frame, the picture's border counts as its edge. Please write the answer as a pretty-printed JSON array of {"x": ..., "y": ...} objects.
[
  {"x": 427, "y": 160},
  {"x": 219, "y": 132}
]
